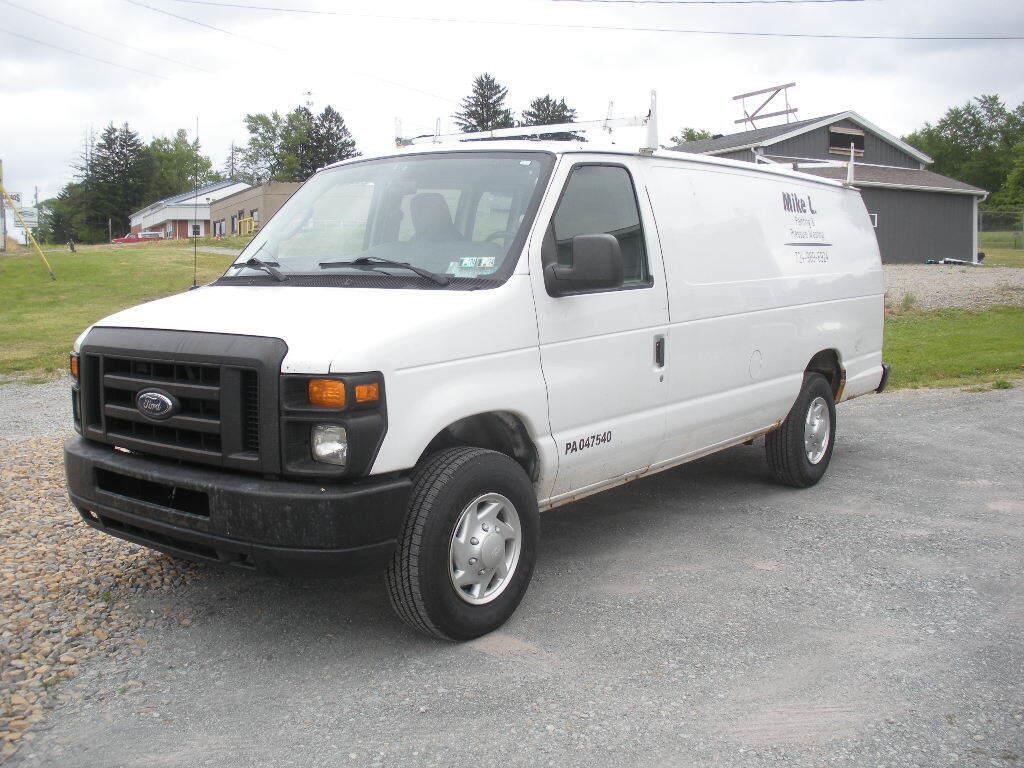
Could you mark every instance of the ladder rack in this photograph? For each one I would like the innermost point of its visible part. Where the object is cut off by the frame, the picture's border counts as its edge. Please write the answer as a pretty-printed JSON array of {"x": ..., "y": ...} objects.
[{"x": 650, "y": 120}]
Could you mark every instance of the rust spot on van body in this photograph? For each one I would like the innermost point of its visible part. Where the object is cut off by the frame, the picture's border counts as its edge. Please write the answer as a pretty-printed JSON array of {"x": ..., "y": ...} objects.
[{"x": 842, "y": 385}]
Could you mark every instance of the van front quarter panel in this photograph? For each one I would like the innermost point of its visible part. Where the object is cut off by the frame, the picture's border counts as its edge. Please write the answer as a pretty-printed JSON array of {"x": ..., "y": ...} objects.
[{"x": 441, "y": 372}]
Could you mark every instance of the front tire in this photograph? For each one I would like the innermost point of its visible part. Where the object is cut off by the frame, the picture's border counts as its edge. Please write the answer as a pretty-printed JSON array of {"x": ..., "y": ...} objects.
[
  {"x": 800, "y": 450},
  {"x": 467, "y": 548}
]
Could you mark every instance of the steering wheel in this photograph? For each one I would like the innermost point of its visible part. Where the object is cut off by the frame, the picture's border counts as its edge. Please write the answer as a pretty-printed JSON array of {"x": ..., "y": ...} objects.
[{"x": 495, "y": 236}]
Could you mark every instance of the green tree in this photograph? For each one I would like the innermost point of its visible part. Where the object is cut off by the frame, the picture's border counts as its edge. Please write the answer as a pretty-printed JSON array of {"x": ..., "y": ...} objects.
[
  {"x": 329, "y": 141},
  {"x": 544, "y": 110},
  {"x": 1011, "y": 193},
  {"x": 292, "y": 147},
  {"x": 232, "y": 168},
  {"x": 56, "y": 216},
  {"x": 484, "y": 109},
  {"x": 691, "y": 134},
  {"x": 259, "y": 155},
  {"x": 973, "y": 142},
  {"x": 293, "y": 161},
  {"x": 177, "y": 166},
  {"x": 112, "y": 177}
]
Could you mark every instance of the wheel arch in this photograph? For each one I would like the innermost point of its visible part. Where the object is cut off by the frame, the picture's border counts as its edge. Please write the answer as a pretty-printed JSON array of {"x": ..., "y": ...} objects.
[
  {"x": 502, "y": 431},
  {"x": 829, "y": 364}
]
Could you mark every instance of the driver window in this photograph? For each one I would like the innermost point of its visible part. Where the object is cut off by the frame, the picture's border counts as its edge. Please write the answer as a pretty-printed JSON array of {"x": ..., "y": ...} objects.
[{"x": 599, "y": 199}]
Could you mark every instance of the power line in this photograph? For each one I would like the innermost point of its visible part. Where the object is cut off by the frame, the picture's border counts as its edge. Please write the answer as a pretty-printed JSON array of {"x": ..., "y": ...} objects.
[
  {"x": 83, "y": 55},
  {"x": 283, "y": 50},
  {"x": 709, "y": 2},
  {"x": 204, "y": 24},
  {"x": 102, "y": 37},
  {"x": 601, "y": 27}
]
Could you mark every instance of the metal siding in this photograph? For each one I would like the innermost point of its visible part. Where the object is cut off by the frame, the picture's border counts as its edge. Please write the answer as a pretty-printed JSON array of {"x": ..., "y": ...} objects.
[
  {"x": 814, "y": 145},
  {"x": 915, "y": 226}
]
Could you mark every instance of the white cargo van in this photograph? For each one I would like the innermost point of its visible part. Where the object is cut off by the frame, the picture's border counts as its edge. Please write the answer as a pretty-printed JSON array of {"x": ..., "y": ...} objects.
[{"x": 421, "y": 351}]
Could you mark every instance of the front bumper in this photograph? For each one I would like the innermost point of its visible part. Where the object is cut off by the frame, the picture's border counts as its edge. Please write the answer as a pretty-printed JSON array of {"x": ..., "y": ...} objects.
[{"x": 231, "y": 518}]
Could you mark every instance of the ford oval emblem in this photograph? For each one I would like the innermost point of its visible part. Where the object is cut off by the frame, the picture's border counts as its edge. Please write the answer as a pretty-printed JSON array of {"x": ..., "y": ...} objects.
[{"x": 155, "y": 404}]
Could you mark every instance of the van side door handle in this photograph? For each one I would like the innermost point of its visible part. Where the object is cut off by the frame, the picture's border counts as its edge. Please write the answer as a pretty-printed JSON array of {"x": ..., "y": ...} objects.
[{"x": 659, "y": 351}]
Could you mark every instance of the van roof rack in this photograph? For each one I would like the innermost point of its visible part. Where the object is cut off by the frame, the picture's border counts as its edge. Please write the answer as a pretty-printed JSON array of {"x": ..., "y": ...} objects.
[{"x": 534, "y": 131}]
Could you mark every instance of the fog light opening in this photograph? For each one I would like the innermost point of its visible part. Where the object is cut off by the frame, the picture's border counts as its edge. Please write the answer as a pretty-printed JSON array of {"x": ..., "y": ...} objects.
[{"x": 330, "y": 444}]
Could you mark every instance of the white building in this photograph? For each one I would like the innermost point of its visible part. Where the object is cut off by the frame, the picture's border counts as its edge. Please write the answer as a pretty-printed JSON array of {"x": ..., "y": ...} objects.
[
  {"x": 13, "y": 226},
  {"x": 179, "y": 216}
]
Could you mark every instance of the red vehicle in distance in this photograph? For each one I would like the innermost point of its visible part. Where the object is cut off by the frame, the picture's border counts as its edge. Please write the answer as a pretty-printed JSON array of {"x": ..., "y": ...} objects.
[{"x": 138, "y": 237}]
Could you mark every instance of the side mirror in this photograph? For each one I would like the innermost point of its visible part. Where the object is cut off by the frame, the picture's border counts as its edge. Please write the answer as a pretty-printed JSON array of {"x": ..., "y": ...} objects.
[{"x": 596, "y": 266}]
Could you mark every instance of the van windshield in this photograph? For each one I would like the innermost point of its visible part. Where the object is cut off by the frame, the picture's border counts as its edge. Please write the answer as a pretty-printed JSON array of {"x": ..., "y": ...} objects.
[{"x": 459, "y": 214}]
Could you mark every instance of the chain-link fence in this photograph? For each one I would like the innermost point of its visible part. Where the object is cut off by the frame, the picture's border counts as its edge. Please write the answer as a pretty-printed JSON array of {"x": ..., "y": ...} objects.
[{"x": 1001, "y": 229}]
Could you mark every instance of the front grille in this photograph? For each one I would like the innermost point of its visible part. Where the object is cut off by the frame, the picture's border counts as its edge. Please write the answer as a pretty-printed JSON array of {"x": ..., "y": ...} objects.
[
  {"x": 225, "y": 387},
  {"x": 196, "y": 427},
  {"x": 251, "y": 410}
]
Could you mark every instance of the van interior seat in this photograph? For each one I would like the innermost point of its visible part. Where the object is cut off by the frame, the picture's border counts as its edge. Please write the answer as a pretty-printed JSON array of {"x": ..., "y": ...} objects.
[{"x": 431, "y": 219}]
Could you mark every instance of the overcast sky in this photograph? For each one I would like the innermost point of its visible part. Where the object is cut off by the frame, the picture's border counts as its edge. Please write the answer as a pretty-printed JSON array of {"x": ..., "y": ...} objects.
[{"x": 386, "y": 59}]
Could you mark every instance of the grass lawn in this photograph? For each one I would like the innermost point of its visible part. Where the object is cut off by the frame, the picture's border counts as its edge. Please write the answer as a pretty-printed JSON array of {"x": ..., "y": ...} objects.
[
  {"x": 954, "y": 347},
  {"x": 1003, "y": 257},
  {"x": 39, "y": 318},
  {"x": 1001, "y": 239},
  {"x": 237, "y": 242}
]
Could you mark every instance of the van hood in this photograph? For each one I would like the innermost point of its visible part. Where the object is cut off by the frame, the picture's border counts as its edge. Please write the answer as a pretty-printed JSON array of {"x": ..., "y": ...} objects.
[{"x": 348, "y": 329}]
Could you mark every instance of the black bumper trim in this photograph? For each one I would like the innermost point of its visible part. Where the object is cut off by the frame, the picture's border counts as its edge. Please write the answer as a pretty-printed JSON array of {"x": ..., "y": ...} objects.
[
  {"x": 885, "y": 378},
  {"x": 273, "y": 525}
]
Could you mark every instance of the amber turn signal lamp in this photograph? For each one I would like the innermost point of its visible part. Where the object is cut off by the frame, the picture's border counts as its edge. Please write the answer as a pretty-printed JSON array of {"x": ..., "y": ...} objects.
[
  {"x": 327, "y": 393},
  {"x": 367, "y": 393},
  {"x": 73, "y": 365}
]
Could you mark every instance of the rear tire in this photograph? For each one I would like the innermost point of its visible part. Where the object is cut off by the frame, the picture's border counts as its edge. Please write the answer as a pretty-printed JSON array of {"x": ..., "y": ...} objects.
[
  {"x": 468, "y": 507},
  {"x": 800, "y": 450}
]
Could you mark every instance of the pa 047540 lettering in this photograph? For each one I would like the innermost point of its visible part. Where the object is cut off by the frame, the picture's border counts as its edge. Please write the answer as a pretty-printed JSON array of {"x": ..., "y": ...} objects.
[{"x": 590, "y": 441}]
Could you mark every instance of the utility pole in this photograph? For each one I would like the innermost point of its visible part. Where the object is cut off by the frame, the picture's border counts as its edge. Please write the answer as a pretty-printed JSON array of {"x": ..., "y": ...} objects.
[
  {"x": 110, "y": 229},
  {"x": 3, "y": 213}
]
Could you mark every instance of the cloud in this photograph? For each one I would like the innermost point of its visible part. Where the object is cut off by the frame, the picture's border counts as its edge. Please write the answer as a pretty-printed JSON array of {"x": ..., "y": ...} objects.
[{"x": 51, "y": 98}]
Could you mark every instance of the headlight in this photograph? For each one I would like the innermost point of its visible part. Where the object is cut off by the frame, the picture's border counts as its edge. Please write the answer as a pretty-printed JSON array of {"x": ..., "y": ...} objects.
[
  {"x": 330, "y": 444},
  {"x": 332, "y": 425}
]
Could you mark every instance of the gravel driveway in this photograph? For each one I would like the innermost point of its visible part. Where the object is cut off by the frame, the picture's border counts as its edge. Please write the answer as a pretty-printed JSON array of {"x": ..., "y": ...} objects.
[
  {"x": 32, "y": 410},
  {"x": 703, "y": 616},
  {"x": 940, "y": 285}
]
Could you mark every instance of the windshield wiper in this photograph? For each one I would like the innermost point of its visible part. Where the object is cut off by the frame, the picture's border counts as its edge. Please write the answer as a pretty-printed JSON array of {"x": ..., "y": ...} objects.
[
  {"x": 369, "y": 262},
  {"x": 266, "y": 266}
]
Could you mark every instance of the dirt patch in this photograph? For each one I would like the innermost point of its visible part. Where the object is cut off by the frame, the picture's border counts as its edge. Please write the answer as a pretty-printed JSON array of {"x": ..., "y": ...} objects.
[{"x": 936, "y": 286}]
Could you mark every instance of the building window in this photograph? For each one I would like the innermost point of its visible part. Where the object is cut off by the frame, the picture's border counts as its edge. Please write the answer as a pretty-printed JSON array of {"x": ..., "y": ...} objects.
[
  {"x": 874, "y": 220},
  {"x": 840, "y": 139}
]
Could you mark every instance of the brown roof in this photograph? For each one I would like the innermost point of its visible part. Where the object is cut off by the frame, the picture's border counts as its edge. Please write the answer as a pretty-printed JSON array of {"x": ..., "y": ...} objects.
[{"x": 873, "y": 175}]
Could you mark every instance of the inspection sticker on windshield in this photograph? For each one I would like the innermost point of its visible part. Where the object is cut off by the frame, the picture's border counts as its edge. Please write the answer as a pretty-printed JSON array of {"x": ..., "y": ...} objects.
[{"x": 471, "y": 266}]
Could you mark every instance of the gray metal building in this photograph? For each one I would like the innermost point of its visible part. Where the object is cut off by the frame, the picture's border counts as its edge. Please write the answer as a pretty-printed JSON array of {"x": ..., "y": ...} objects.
[{"x": 917, "y": 214}]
